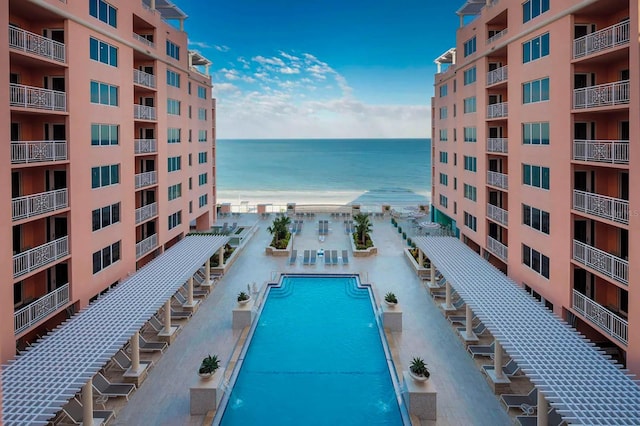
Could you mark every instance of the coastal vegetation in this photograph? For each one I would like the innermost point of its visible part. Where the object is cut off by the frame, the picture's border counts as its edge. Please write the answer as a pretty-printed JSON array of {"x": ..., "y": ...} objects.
[
  {"x": 280, "y": 231},
  {"x": 426, "y": 263},
  {"x": 215, "y": 259},
  {"x": 361, "y": 236}
]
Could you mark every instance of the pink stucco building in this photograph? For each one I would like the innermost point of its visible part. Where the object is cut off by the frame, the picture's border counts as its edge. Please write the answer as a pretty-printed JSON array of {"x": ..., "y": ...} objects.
[
  {"x": 109, "y": 156},
  {"x": 532, "y": 125}
]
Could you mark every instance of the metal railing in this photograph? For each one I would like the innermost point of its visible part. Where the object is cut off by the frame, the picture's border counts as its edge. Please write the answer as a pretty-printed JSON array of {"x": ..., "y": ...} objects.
[
  {"x": 146, "y": 245},
  {"x": 606, "y": 320},
  {"x": 32, "y": 313},
  {"x": 143, "y": 40},
  {"x": 145, "y": 146},
  {"x": 608, "y": 94},
  {"x": 499, "y": 215},
  {"x": 497, "y": 36},
  {"x": 36, "y": 98},
  {"x": 37, "y": 204},
  {"x": 36, "y": 44},
  {"x": 603, "y": 262},
  {"x": 497, "y": 75},
  {"x": 606, "y": 38},
  {"x": 146, "y": 212},
  {"x": 498, "y": 110},
  {"x": 496, "y": 247},
  {"x": 610, "y": 208},
  {"x": 37, "y": 151},
  {"x": 497, "y": 145},
  {"x": 40, "y": 256},
  {"x": 144, "y": 79},
  {"x": 144, "y": 112},
  {"x": 499, "y": 180},
  {"x": 601, "y": 151},
  {"x": 146, "y": 179}
]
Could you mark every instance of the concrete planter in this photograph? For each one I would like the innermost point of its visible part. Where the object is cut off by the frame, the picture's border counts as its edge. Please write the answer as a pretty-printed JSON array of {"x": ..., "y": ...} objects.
[
  {"x": 371, "y": 251},
  {"x": 272, "y": 251},
  {"x": 421, "y": 271}
]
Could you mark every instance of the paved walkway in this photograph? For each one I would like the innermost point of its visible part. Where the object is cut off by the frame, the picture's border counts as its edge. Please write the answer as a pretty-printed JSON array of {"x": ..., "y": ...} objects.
[{"x": 464, "y": 398}]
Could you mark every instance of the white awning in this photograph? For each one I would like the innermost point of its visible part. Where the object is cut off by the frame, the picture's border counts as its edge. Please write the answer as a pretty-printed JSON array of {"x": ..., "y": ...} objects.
[
  {"x": 472, "y": 7},
  {"x": 584, "y": 386},
  {"x": 37, "y": 384}
]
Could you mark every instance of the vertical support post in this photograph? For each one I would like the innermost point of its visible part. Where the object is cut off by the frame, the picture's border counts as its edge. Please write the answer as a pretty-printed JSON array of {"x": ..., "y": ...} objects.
[
  {"x": 152, "y": 4},
  {"x": 439, "y": 67},
  {"x": 461, "y": 21},
  {"x": 497, "y": 360},
  {"x": 181, "y": 24},
  {"x": 207, "y": 271},
  {"x": 135, "y": 352},
  {"x": 190, "y": 291},
  {"x": 433, "y": 274},
  {"x": 167, "y": 316},
  {"x": 543, "y": 409},
  {"x": 447, "y": 294},
  {"x": 420, "y": 258},
  {"x": 469, "y": 322},
  {"x": 206, "y": 69},
  {"x": 87, "y": 403},
  {"x": 221, "y": 256}
]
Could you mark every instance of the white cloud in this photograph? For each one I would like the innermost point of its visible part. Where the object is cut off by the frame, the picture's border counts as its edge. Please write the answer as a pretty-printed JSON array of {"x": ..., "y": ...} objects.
[
  {"x": 270, "y": 61},
  {"x": 230, "y": 74},
  {"x": 244, "y": 62},
  {"x": 200, "y": 44},
  {"x": 220, "y": 88},
  {"x": 289, "y": 70},
  {"x": 290, "y": 57},
  {"x": 222, "y": 48}
]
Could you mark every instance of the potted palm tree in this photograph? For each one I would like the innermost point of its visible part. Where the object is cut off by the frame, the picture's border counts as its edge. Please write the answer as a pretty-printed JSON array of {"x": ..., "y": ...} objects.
[
  {"x": 208, "y": 366},
  {"x": 390, "y": 299},
  {"x": 243, "y": 298},
  {"x": 418, "y": 370}
]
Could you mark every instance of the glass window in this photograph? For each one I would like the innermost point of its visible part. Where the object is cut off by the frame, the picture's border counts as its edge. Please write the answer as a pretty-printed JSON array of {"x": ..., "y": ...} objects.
[
  {"x": 95, "y": 177},
  {"x": 115, "y": 176},
  {"x": 526, "y": 174},
  {"x": 545, "y": 177}
]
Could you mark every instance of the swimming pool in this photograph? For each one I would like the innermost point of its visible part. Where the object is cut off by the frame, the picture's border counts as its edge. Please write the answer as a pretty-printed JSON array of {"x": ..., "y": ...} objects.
[{"x": 315, "y": 357}]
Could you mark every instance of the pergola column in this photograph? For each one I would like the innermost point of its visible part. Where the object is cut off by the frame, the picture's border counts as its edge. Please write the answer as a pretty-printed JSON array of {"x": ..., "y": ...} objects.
[
  {"x": 433, "y": 274},
  {"x": 543, "y": 409},
  {"x": 135, "y": 352},
  {"x": 207, "y": 271},
  {"x": 221, "y": 256},
  {"x": 469, "y": 322},
  {"x": 497, "y": 360},
  {"x": 181, "y": 24},
  {"x": 167, "y": 316},
  {"x": 420, "y": 258},
  {"x": 87, "y": 403},
  {"x": 447, "y": 294},
  {"x": 152, "y": 4},
  {"x": 190, "y": 291}
]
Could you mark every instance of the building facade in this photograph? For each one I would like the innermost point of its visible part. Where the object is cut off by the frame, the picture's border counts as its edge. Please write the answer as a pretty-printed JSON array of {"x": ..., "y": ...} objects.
[
  {"x": 110, "y": 155},
  {"x": 532, "y": 122}
]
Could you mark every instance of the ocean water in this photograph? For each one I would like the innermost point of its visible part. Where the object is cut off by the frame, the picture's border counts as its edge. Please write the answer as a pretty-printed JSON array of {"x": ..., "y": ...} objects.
[{"x": 324, "y": 171}]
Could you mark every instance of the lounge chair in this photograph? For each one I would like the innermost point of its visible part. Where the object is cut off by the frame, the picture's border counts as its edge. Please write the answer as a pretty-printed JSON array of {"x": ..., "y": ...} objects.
[
  {"x": 305, "y": 258},
  {"x": 75, "y": 412},
  {"x": 151, "y": 346},
  {"x": 441, "y": 294},
  {"x": 178, "y": 315},
  {"x": 104, "y": 387},
  {"x": 482, "y": 350},
  {"x": 510, "y": 369},
  {"x": 327, "y": 257},
  {"x": 345, "y": 257},
  {"x": 527, "y": 403},
  {"x": 334, "y": 257},
  {"x": 123, "y": 362},
  {"x": 293, "y": 257},
  {"x": 182, "y": 300},
  {"x": 477, "y": 330},
  {"x": 460, "y": 319},
  {"x": 312, "y": 259},
  {"x": 320, "y": 228},
  {"x": 553, "y": 419}
]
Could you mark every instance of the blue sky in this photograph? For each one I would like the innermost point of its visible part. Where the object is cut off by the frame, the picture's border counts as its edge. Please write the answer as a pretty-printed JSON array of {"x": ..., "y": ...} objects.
[{"x": 322, "y": 68}]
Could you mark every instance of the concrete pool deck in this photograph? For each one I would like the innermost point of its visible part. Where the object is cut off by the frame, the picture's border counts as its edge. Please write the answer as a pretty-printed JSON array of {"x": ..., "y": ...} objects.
[{"x": 464, "y": 397}]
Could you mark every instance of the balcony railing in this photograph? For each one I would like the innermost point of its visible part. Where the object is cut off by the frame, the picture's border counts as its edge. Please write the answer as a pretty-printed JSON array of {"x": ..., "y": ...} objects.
[
  {"x": 146, "y": 179},
  {"x": 602, "y": 95},
  {"x": 497, "y": 36},
  {"x": 38, "y": 151},
  {"x": 37, "y": 98},
  {"x": 143, "y": 40},
  {"x": 146, "y": 245},
  {"x": 35, "y": 258},
  {"x": 497, "y": 75},
  {"x": 497, "y": 145},
  {"x": 146, "y": 212},
  {"x": 614, "y": 209},
  {"x": 143, "y": 112},
  {"x": 499, "y": 215},
  {"x": 499, "y": 180},
  {"x": 145, "y": 146},
  {"x": 144, "y": 79},
  {"x": 606, "y": 38},
  {"x": 39, "y": 309},
  {"x": 496, "y": 247},
  {"x": 603, "y": 262},
  {"x": 606, "y": 320},
  {"x": 601, "y": 151},
  {"x": 37, "y": 204},
  {"x": 36, "y": 44},
  {"x": 498, "y": 110}
]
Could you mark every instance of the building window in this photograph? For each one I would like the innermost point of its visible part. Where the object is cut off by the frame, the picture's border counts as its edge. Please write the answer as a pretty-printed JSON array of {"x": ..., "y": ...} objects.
[
  {"x": 173, "y": 50},
  {"x": 469, "y": 46},
  {"x": 470, "y": 163},
  {"x": 175, "y": 219},
  {"x": 444, "y": 201},
  {"x": 533, "y": 8},
  {"x": 174, "y": 163},
  {"x": 104, "y": 12},
  {"x": 470, "y": 192},
  {"x": 103, "y": 52},
  {"x": 535, "y": 176},
  {"x": 470, "y": 221},
  {"x": 535, "y": 48},
  {"x": 443, "y": 90},
  {"x": 173, "y": 106},
  {"x": 443, "y": 135},
  {"x": 444, "y": 179},
  {"x": 202, "y": 179},
  {"x": 105, "y": 216},
  {"x": 202, "y": 114},
  {"x": 173, "y": 78},
  {"x": 202, "y": 157},
  {"x": 104, "y": 134},
  {"x": 444, "y": 157},
  {"x": 470, "y": 76},
  {"x": 443, "y": 113},
  {"x": 190, "y": 184},
  {"x": 535, "y": 133},
  {"x": 105, "y": 176},
  {"x": 104, "y": 94},
  {"x": 173, "y": 135},
  {"x": 202, "y": 135},
  {"x": 469, "y": 105},
  {"x": 203, "y": 200},
  {"x": 535, "y": 91},
  {"x": 175, "y": 191},
  {"x": 190, "y": 159},
  {"x": 536, "y": 218},
  {"x": 470, "y": 134},
  {"x": 105, "y": 257},
  {"x": 535, "y": 260},
  {"x": 202, "y": 92}
]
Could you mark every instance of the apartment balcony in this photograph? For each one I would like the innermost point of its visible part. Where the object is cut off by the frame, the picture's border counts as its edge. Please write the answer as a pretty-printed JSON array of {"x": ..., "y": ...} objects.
[
  {"x": 146, "y": 212},
  {"x": 37, "y": 204},
  {"x": 613, "y": 209},
  {"x": 497, "y": 36},
  {"x": 143, "y": 112},
  {"x": 146, "y": 245},
  {"x": 602, "y": 95},
  {"x": 498, "y": 110},
  {"x": 36, "y": 258},
  {"x": 144, "y": 40},
  {"x": 601, "y": 261},
  {"x": 497, "y": 214},
  {"x": 145, "y": 146},
  {"x": 600, "y": 41},
  {"x": 600, "y": 316},
  {"x": 498, "y": 145},
  {"x": 37, "y": 98},
  {"x": 144, "y": 79},
  {"x": 35, "y": 44},
  {"x": 146, "y": 179},
  {"x": 498, "y": 249},
  {"x": 27, "y": 152},
  {"x": 41, "y": 308},
  {"x": 601, "y": 151},
  {"x": 499, "y": 180},
  {"x": 498, "y": 75}
]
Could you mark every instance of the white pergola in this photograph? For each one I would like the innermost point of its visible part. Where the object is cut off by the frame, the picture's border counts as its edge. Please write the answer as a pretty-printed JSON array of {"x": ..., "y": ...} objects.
[
  {"x": 37, "y": 384},
  {"x": 578, "y": 381}
]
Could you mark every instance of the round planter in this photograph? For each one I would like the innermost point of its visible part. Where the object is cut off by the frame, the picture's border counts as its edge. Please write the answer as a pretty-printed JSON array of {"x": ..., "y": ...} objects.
[
  {"x": 244, "y": 302},
  {"x": 206, "y": 376},
  {"x": 417, "y": 378},
  {"x": 391, "y": 304}
]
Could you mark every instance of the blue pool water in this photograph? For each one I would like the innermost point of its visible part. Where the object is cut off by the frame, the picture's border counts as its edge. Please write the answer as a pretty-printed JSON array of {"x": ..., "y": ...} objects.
[{"x": 315, "y": 358}]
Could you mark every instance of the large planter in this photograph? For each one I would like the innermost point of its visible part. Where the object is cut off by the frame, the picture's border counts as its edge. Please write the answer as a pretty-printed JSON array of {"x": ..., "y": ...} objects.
[
  {"x": 244, "y": 302},
  {"x": 206, "y": 376},
  {"x": 371, "y": 251},
  {"x": 391, "y": 304},
  {"x": 417, "y": 378},
  {"x": 272, "y": 251},
  {"x": 421, "y": 271}
]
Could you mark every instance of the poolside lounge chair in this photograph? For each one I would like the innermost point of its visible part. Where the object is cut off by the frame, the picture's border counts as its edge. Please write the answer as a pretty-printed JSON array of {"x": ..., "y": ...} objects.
[
  {"x": 327, "y": 257},
  {"x": 527, "y": 403},
  {"x": 104, "y": 387},
  {"x": 458, "y": 304},
  {"x": 178, "y": 315},
  {"x": 151, "y": 346},
  {"x": 305, "y": 258},
  {"x": 312, "y": 260},
  {"x": 441, "y": 294},
  {"x": 75, "y": 412},
  {"x": 182, "y": 300},
  {"x": 460, "y": 319},
  {"x": 320, "y": 228},
  {"x": 482, "y": 350},
  {"x": 510, "y": 369},
  {"x": 293, "y": 257},
  {"x": 345, "y": 257},
  {"x": 477, "y": 330},
  {"x": 123, "y": 362},
  {"x": 198, "y": 290},
  {"x": 158, "y": 325},
  {"x": 553, "y": 419},
  {"x": 334, "y": 257}
]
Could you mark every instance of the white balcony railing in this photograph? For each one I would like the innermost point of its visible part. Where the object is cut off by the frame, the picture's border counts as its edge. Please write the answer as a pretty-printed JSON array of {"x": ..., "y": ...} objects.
[
  {"x": 497, "y": 36},
  {"x": 146, "y": 212},
  {"x": 144, "y": 79},
  {"x": 145, "y": 146},
  {"x": 499, "y": 215},
  {"x": 498, "y": 110},
  {"x": 37, "y": 204},
  {"x": 606, "y": 38},
  {"x": 603, "y": 262},
  {"x": 146, "y": 245},
  {"x": 496, "y": 247},
  {"x": 37, "y": 98},
  {"x": 40, "y": 256},
  {"x": 606, "y": 320},
  {"x": 143, "y": 112},
  {"x": 143, "y": 40},
  {"x": 497, "y": 145},
  {"x": 36, "y": 44},
  {"x": 146, "y": 179},
  {"x": 499, "y": 180},
  {"x": 39, "y": 309},
  {"x": 601, "y": 151},
  {"x": 38, "y": 151},
  {"x": 497, "y": 75},
  {"x": 608, "y": 94},
  {"x": 610, "y": 208}
]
